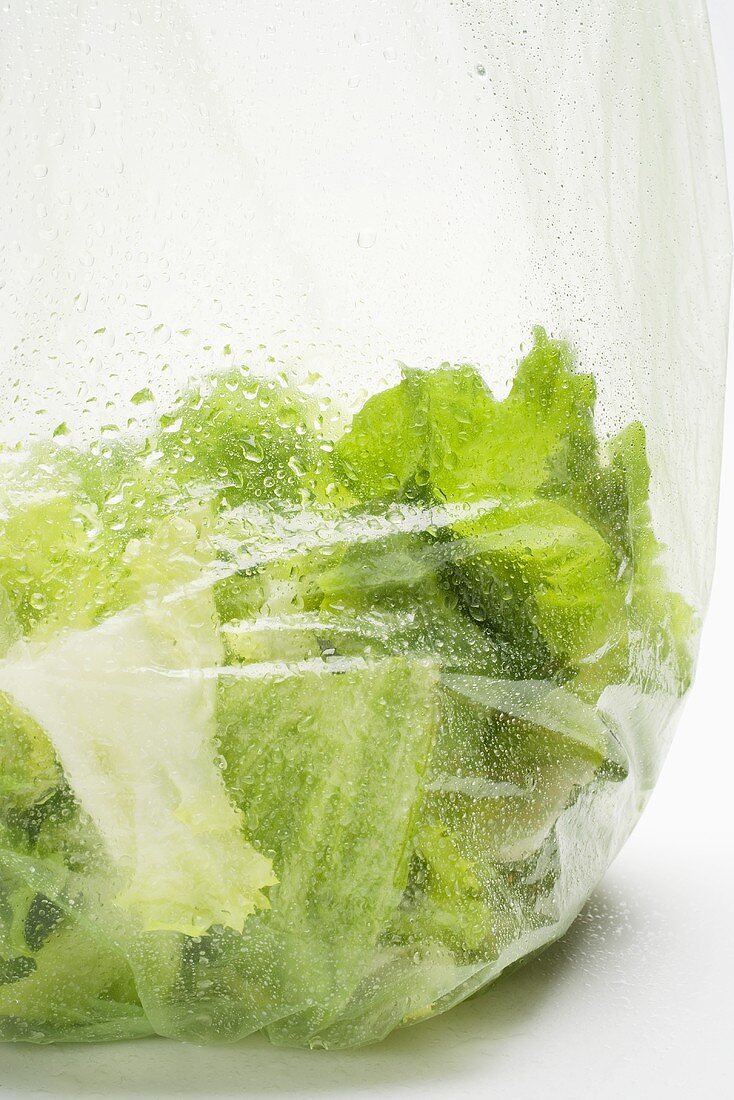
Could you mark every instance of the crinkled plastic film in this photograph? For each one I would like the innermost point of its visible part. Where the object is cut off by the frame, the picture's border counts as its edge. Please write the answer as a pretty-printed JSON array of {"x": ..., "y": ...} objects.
[{"x": 361, "y": 427}]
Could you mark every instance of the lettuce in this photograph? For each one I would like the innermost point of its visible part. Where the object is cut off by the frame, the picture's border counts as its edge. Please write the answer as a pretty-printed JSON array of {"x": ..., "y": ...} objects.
[
  {"x": 30, "y": 770},
  {"x": 292, "y": 719},
  {"x": 129, "y": 707},
  {"x": 243, "y": 439},
  {"x": 442, "y": 431},
  {"x": 327, "y": 760},
  {"x": 76, "y": 987},
  {"x": 536, "y": 566}
]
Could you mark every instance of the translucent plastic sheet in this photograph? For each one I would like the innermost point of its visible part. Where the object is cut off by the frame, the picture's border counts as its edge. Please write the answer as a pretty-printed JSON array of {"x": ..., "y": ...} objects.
[{"x": 360, "y": 445}]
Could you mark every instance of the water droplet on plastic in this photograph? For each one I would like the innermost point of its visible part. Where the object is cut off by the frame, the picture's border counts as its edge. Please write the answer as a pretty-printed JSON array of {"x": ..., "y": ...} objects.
[
  {"x": 162, "y": 334},
  {"x": 366, "y": 238},
  {"x": 39, "y": 171},
  {"x": 389, "y": 54},
  {"x": 142, "y": 310},
  {"x": 94, "y": 103},
  {"x": 361, "y": 36},
  {"x": 56, "y": 137},
  {"x": 251, "y": 450}
]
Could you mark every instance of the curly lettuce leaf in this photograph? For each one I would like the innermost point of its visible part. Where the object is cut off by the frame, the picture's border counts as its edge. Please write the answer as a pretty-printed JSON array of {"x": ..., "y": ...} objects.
[
  {"x": 129, "y": 707},
  {"x": 442, "y": 433},
  {"x": 243, "y": 438},
  {"x": 29, "y": 769},
  {"x": 509, "y": 759},
  {"x": 536, "y": 569},
  {"x": 75, "y": 987},
  {"x": 66, "y": 517},
  {"x": 326, "y": 759},
  {"x": 230, "y": 657}
]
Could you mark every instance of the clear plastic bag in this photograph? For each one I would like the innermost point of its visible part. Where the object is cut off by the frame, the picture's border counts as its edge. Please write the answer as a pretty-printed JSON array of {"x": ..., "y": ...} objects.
[{"x": 345, "y": 611}]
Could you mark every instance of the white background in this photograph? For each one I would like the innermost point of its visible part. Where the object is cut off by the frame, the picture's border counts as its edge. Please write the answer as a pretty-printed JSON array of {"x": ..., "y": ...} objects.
[{"x": 636, "y": 1001}]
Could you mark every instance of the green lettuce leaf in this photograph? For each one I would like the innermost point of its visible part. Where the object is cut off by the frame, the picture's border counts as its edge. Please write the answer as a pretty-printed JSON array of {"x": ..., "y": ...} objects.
[
  {"x": 129, "y": 707},
  {"x": 244, "y": 438},
  {"x": 288, "y": 718},
  {"x": 326, "y": 761},
  {"x": 75, "y": 988},
  {"x": 541, "y": 573},
  {"x": 29, "y": 769},
  {"x": 442, "y": 433}
]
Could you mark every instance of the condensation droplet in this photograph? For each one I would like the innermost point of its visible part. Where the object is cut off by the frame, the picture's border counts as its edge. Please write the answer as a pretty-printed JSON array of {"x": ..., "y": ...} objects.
[
  {"x": 170, "y": 424},
  {"x": 366, "y": 238},
  {"x": 94, "y": 103},
  {"x": 56, "y": 137},
  {"x": 252, "y": 451},
  {"x": 40, "y": 171},
  {"x": 136, "y": 17},
  {"x": 389, "y": 54},
  {"x": 162, "y": 334},
  {"x": 353, "y": 82},
  {"x": 142, "y": 310},
  {"x": 361, "y": 36}
]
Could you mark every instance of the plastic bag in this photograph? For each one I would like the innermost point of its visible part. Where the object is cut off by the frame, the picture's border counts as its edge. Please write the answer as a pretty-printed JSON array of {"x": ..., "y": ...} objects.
[{"x": 336, "y": 670}]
